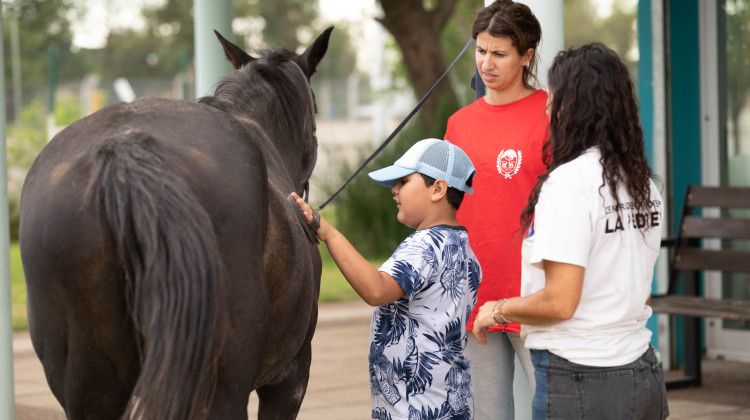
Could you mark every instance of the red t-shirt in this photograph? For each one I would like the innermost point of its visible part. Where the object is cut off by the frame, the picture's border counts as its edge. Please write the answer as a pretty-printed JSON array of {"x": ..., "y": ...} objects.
[{"x": 505, "y": 144}]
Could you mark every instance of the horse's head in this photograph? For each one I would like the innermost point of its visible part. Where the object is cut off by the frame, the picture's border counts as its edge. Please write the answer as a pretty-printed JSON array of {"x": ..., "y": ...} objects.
[{"x": 274, "y": 91}]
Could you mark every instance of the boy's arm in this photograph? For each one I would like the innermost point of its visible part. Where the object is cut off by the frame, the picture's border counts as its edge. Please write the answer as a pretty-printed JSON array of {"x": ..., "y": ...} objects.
[{"x": 373, "y": 286}]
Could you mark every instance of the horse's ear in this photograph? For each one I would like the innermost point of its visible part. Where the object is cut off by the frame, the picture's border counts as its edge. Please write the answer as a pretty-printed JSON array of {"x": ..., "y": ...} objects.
[
  {"x": 236, "y": 55},
  {"x": 309, "y": 59}
]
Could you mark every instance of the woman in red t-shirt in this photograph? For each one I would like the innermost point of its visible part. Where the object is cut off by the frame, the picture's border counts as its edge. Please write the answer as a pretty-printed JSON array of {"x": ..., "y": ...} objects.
[{"x": 503, "y": 134}]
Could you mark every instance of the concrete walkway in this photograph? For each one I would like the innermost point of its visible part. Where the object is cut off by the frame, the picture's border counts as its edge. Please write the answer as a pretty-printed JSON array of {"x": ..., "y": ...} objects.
[{"x": 339, "y": 385}]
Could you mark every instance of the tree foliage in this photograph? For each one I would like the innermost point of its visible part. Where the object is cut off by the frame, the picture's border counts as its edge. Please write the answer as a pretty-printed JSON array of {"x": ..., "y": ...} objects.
[
  {"x": 738, "y": 65},
  {"x": 42, "y": 25},
  {"x": 161, "y": 49},
  {"x": 417, "y": 26},
  {"x": 281, "y": 21},
  {"x": 164, "y": 47},
  {"x": 44, "y": 29},
  {"x": 616, "y": 29}
]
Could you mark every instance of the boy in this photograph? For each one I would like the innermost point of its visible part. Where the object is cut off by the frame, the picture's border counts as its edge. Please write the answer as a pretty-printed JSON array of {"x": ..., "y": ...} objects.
[{"x": 424, "y": 292}]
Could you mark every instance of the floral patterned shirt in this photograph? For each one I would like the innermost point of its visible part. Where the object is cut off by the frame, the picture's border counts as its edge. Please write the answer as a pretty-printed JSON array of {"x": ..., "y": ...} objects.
[{"x": 418, "y": 369}]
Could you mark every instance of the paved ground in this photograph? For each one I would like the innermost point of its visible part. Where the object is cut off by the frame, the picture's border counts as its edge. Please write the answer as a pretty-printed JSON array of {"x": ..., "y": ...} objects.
[{"x": 338, "y": 386}]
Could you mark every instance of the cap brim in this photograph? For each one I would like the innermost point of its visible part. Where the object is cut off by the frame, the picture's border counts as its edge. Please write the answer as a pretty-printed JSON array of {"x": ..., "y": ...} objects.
[{"x": 389, "y": 176}]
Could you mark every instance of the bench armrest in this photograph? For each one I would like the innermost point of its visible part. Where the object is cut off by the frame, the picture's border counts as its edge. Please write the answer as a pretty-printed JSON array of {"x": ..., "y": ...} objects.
[{"x": 668, "y": 242}]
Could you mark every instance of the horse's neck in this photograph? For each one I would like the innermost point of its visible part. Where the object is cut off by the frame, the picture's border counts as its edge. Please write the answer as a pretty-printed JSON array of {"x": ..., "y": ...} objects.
[{"x": 280, "y": 167}]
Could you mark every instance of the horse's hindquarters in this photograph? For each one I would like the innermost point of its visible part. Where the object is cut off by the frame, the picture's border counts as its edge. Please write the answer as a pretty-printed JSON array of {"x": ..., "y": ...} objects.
[{"x": 71, "y": 280}]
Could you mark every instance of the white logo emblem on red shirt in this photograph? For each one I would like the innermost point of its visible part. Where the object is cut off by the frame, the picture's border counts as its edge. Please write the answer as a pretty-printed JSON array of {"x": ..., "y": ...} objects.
[{"x": 509, "y": 162}]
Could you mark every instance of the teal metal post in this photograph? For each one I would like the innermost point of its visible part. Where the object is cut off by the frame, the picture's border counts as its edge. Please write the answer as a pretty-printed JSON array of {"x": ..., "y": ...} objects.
[
  {"x": 210, "y": 62},
  {"x": 684, "y": 64},
  {"x": 7, "y": 399},
  {"x": 646, "y": 99}
]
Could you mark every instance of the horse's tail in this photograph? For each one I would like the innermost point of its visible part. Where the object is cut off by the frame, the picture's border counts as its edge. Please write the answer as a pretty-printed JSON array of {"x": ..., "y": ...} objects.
[{"x": 169, "y": 251}]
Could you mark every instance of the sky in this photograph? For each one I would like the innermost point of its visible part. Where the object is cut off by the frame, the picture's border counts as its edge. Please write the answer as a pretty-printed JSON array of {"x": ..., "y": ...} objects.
[
  {"x": 100, "y": 15},
  {"x": 91, "y": 32}
]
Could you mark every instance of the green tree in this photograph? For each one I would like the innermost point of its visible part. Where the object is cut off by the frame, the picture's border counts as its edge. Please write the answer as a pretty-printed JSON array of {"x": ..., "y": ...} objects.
[
  {"x": 341, "y": 60},
  {"x": 158, "y": 51},
  {"x": 165, "y": 46},
  {"x": 25, "y": 139},
  {"x": 417, "y": 28},
  {"x": 454, "y": 37},
  {"x": 277, "y": 23},
  {"x": 615, "y": 30},
  {"x": 364, "y": 212},
  {"x": 42, "y": 26},
  {"x": 738, "y": 65}
]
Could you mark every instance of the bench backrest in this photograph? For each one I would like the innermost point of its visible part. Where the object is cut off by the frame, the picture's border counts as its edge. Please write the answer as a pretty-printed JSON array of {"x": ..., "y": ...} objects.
[{"x": 694, "y": 227}]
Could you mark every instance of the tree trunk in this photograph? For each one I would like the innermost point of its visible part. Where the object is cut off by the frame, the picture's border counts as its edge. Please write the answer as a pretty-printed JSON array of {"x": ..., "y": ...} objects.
[{"x": 417, "y": 33}]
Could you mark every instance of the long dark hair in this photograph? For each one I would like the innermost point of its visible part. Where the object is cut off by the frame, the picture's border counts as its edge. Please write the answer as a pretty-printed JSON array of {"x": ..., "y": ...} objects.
[
  {"x": 505, "y": 18},
  {"x": 592, "y": 103}
]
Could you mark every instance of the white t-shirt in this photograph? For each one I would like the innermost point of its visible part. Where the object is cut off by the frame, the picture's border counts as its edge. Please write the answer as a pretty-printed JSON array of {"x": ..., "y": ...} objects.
[{"x": 576, "y": 222}]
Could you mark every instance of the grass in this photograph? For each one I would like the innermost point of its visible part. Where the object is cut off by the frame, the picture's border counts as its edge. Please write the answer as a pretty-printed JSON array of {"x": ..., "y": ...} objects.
[
  {"x": 17, "y": 290},
  {"x": 333, "y": 285}
]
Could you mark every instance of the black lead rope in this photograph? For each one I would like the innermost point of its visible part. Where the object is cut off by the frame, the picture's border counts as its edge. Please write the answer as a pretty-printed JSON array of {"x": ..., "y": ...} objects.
[{"x": 400, "y": 126}]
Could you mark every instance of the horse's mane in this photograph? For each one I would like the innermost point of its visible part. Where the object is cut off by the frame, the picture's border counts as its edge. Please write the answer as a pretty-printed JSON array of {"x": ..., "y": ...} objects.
[{"x": 241, "y": 90}]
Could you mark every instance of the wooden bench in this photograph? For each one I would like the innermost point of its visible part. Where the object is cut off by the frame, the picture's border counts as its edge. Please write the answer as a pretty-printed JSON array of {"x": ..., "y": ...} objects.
[{"x": 690, "y": 259}]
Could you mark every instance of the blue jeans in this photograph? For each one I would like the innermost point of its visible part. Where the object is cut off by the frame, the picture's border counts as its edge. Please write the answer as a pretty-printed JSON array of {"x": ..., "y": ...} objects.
[
  {"x": 569, "y": 391},
  {"x": 493, "y": 381}
]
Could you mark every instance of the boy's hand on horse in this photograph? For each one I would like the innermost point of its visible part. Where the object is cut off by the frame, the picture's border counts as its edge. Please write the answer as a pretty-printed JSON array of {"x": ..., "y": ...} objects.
[{"x": 309, "y": 213}]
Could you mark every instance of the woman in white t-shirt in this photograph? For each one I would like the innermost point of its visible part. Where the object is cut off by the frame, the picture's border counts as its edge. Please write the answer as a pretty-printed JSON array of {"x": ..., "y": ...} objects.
[{"x": 592, "y": 235}]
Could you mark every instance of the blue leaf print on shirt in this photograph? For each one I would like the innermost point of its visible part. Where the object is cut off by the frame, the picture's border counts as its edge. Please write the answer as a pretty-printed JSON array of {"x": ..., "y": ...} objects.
[
  {"x": 427, "y": 413},
  {"x": 409, "y": 278},
  {"x": 380, "y": 413},
  {"x": 455, "y": 271},
  {"x": 475, "y": 275},
  {"x": 382, "y": 375},
  {"x": 450, "y": 342},
  {"x": 414, "y": 249},
  {"x": 415, "y": 370},
  {"x": 458, "y": 385},
  {"x": 457, "y": 379},
  {"x": 390, "y": 324},
  {"x": 438, "y": 235},
  {"x": 417, "y": 340}
]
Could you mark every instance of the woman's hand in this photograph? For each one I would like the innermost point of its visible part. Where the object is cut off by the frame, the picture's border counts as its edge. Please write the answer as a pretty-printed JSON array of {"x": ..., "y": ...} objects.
[{"x": 484, "y": 321}]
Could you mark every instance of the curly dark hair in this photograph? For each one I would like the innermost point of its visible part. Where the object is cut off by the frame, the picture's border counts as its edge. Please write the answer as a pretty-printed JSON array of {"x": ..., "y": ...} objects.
[
  {"x": 506, "y": 18},
  {"x": 593, "y": 103}
]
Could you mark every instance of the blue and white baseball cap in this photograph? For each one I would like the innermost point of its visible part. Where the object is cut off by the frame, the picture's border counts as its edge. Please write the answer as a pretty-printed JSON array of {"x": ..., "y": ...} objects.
[{"x": 435, "y": 158}]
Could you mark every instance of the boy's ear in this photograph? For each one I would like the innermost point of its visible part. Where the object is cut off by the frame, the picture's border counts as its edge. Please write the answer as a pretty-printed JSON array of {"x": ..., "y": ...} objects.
[{"x": 439, "y": 190}]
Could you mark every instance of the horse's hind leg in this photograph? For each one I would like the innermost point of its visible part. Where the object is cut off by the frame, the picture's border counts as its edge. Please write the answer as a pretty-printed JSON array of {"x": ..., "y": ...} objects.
[
  {"x": 94, "y": 385},
  {"x": 89, "y": 370},
  {"x": 80, "y": 328},
  {"x": 283, "y": 399}
]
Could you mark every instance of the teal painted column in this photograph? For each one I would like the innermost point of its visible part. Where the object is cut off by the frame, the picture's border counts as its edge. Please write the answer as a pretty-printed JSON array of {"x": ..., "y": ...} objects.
[
  {"x": 685, "y": 124},
  {"x": 210, "y": 62},
  {"x": 685, "y": 100},
  {"x": 7, "y": 394},
  {"x": 646, "y": 104},
  {"x": 646, "y": 76}
]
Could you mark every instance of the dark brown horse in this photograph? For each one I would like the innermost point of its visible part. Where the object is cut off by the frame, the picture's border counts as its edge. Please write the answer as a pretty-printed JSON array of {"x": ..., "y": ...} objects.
[{"x": 166, "y": 277}]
